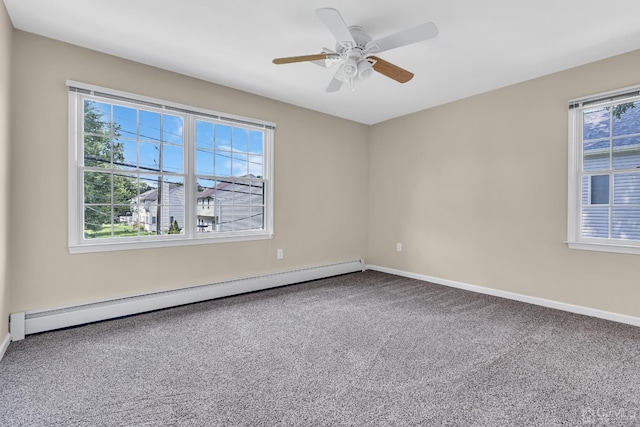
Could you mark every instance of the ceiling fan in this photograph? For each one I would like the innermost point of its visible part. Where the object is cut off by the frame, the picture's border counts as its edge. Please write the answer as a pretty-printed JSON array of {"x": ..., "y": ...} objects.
[{"x": 355, "y": 51}]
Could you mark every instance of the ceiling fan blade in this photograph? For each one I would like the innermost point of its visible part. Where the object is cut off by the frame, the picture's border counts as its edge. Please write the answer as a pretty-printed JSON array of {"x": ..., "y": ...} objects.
[
  {"x": 392, "y": 71},
  {"x": 315, "y": 57},
  {"x": 416, "y": 34},
  {"x": 334, "y": 85},
  {"x": 332, "y": 19}
]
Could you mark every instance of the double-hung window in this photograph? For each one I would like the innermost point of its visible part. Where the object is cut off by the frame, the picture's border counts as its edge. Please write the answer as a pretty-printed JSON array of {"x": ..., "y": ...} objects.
[
  {"x": 604, "y": 172},
  {"x": 146, "y": 173}
]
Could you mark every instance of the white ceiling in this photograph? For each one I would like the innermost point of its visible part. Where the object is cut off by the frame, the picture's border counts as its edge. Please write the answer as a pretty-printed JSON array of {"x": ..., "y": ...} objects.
[{"x": 482, "y": 45}]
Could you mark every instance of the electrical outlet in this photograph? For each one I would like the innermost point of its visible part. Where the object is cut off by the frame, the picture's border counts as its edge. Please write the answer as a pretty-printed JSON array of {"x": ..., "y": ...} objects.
[
  {"x": 399, "y": 247},
  {"x": 280, "y": 253}
]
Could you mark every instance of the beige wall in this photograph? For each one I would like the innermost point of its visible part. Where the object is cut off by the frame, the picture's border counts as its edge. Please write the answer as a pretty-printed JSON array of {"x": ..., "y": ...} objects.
[
  {"x": 476, "y": 190},
  {"x": 320, "y": 178},
  {"x": 6, "y": 36}
]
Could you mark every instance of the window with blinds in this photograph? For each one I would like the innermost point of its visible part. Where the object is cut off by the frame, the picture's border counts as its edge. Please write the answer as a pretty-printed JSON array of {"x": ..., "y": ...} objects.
[{"x": 604, "y": 173}]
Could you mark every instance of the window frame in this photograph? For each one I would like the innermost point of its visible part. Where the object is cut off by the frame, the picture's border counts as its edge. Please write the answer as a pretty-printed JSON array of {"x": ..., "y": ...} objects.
[
  {"x": 575, "y": 240},
  {"x": 78, "y": 244}
]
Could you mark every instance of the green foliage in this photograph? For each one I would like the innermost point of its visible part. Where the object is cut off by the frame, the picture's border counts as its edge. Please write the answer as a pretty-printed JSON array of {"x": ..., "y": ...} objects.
[
  {"x": 102, "y": 149},
  {"x": 619, "y": 110},
  {"x": 119, "y": 230},
  {"x": 175, "y": 228}
]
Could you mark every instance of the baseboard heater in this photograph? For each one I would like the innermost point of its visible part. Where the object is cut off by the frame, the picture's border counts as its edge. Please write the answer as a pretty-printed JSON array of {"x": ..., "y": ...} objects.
[{"x": 31, "y": 322}]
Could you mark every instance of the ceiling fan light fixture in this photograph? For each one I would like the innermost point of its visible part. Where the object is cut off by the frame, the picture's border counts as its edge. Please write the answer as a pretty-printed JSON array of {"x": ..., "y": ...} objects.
[
  {"x": 341, "y": 75},
  {"x": 364, "y": 69},
  {"x": 350, "y": 68}
]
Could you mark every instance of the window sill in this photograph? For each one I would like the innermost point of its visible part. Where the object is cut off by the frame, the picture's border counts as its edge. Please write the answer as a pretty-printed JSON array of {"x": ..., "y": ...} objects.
[
  {"x": 113, "y": 245},
  {"x": 605, "y": 247}
]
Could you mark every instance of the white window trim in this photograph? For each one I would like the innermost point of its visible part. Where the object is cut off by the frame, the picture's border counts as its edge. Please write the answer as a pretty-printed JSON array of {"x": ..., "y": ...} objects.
[
  {"x": 77, "y": 244},
  {"x": 574, "y": 208}
]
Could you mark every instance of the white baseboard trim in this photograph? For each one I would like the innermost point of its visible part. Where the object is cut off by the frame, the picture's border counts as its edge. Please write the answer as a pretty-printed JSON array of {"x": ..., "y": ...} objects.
[
  {"x": 4, "y": 345},
  {"x": 47, "y": 320},
  {"x": 607, "y": 315}
]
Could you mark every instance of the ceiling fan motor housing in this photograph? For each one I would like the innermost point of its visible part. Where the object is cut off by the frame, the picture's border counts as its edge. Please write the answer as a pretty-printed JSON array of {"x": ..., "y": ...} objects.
[{"x": 358, "y": 51}]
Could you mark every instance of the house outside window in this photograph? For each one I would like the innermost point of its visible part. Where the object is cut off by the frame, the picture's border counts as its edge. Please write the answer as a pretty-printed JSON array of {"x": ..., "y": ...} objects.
[
  {"x": 604, "y": 172},
  {"x": 141, "y": 169}
]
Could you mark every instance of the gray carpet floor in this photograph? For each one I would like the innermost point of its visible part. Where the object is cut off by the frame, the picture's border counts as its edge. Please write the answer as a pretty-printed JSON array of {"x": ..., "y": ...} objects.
[{"x": 360, "y": 349}]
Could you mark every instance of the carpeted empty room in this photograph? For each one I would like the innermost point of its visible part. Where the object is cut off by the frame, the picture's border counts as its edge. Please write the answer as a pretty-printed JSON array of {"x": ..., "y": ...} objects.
[
  {"x": 366, "y": 348},
  {"x": 298, "y": 213}
]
